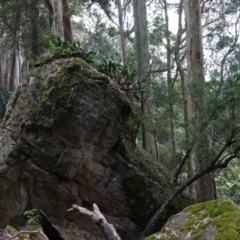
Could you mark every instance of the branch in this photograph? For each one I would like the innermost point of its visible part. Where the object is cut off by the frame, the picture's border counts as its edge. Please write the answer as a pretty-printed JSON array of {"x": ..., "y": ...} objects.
[
  {"x": 125, "y": 6},
  {"x": 180, "y": 167},
  {"x": 31, "y": 232},
  {"x": 161, "y": 70},
  {"x": 129, "y": 32},
  {"x": 107, "y": 228}
]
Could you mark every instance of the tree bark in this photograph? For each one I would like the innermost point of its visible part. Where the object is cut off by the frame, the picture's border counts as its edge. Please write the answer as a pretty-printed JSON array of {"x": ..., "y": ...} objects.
[
  {"x": 143, "y": 70},
  {"x": 185, "y": 95},
  {"x": 14, "y": 57},
  {"x": 14, "y": 68},
  {"x": 58, "y": 19},
  {"x": 49, "y": 5},
  {"x": 60, "y": 11},
  {"x": 170, "y": 84},
  {"x": 6, "y": 70},
  {"x": 34, "y": 23},
  {"x": 122, "y": 33},
  {"x": 196, "y": 82},
  {"x": 1, "y": 70},
  {"x": 67, "y": 23}
]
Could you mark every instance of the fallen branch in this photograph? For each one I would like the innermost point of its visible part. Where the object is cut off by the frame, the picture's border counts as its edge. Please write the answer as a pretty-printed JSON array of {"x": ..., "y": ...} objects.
[
  {"x": 31, "y": 232},
  {"x": 107, "y": 228}
]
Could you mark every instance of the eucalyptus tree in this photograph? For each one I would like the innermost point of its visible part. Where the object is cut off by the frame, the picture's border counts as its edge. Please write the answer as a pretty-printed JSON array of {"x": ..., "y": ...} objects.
[
  {"x": 122, "y": 32},
  {"x": 196, "y": 85},
  {"x": 1, "y": 73},
  {"x": 143, "y": 70},
  {"x": 170, "y": 81},
  {"x": 61, "y": 14}
]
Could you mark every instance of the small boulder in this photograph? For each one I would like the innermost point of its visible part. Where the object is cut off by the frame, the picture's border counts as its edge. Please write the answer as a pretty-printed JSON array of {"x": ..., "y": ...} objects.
[{"x": 211, "y": 220}]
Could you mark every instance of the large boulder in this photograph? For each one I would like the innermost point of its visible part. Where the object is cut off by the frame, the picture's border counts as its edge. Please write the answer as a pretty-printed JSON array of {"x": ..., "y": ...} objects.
[
  {"x": 68, "y": 137},
  {"x": 204, "y": 221}
]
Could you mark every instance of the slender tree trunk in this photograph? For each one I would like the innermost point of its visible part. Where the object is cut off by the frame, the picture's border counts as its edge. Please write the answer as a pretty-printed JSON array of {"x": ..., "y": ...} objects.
[
  {"x": 58, "y": 19},
  {"x": 14, "y": 69},
  {"x": 1, "y": 70},
  {"x": 170, "y": 83},
  {"x": 14, "y": 60},
  {"x": 196, "y": 82},
  {"x": 122, "y": 33},
  {"x": 6, "y": 70},
  {"x": 143, "y": 67},
  {"x": 34, "y": 23},
  {"x": 49, "y": 5},
  {"x": 67, "y": 23},
  {"x": 185, "y": 96}
]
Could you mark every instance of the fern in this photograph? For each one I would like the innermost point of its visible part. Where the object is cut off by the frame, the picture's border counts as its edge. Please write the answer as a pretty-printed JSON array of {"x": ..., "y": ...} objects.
[
  {"x": 125, "y": 78},
  {"x": 59, "y": 48}
]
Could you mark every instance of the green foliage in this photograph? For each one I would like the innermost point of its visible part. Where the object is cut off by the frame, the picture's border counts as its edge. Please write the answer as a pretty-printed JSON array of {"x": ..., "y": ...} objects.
[
  {"x": 135, "y": 120},
  {"x": 224, "y": 42},
  {"x": 32, "y": 216},
  {"x": 125, "y": 78},
  {"x": 104, "y": 4},
  {"x": 227, "y": 182},
  {"x": 59, "y": 48}
]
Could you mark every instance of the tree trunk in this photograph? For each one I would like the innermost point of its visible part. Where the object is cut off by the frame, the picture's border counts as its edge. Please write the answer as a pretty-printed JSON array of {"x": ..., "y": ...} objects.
[
  {"x": 6, "y": 70},
  {"x": 13, "y": 75},
  {"x": 143, "y": 69},
  {"x": 122, "y": 33},
  {"x": 185, "y": 95},
  {"x": 14, "y": 66},
  {"x": 67, "y": 23},
  {"x": 1, "y": 70},
  {"x": 34, "y": 23},
  {"x": 196, "y": 82},
  {"x": 170, "y": 84},
  {"x": 14, "y": 56},
  {"x": 62, "y": 18},
  {"x": 49, "y": 5},
  {"x": 58, "y": 19}
]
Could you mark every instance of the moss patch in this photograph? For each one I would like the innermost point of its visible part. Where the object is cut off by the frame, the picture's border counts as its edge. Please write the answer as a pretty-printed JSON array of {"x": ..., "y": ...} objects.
[
  {"x": 12, "y": 231},
  {"x": 209, "y": 220},
  {"x": 61, "y": 77}
]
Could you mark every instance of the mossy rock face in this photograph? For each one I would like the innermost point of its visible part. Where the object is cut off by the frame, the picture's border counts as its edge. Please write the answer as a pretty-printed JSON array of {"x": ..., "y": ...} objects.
[
  {"x": 213, "y": 220},
  {"x": 69, "y": 137}
]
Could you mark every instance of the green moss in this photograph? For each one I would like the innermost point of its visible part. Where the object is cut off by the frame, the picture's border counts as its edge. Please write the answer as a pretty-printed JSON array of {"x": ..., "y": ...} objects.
[
  {"x": 160, "y": 235},
  {"x": 11, "y": 230},
  {"x": 64, "y": 76},
  {"x": 151, "y": 237},
  {"x": 224, "y": 216}
]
